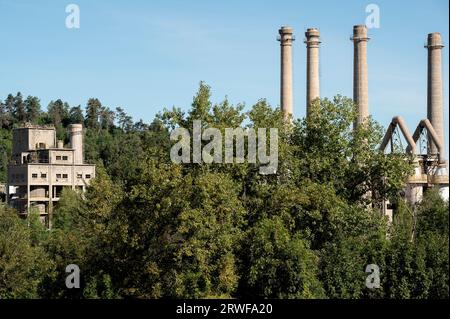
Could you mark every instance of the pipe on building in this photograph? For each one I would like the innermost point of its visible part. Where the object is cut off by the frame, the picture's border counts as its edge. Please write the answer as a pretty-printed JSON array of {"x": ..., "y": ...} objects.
[
  {"x": 398, "y": 121},
  {"x": 432, "y": 136}
]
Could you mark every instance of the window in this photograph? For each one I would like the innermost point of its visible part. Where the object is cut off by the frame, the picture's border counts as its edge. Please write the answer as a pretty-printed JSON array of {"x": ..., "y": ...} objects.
[
  {"x": 43, "y": 175},
  {"x": 58, "y": 158},
  {"x": 88, "y": 176},
  {"x": 58, "y": 175},
  {"x": 79, "y": 175},
  {"x": 65, "y": 176},
  {"x": 65, "y": 158},
  {"x": 34, "y": 175}
]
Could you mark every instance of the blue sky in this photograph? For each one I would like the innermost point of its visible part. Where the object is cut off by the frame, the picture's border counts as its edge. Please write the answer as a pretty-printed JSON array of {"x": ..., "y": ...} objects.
[{"x": 146, "y": 55}]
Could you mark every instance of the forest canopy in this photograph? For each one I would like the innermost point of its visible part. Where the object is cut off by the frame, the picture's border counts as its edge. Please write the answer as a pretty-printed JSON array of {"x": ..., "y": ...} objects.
[{"x": 150, "y": 228}]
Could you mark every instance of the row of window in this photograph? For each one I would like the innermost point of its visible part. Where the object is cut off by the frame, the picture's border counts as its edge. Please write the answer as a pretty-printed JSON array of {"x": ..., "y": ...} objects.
[
  {"x": 18, "y": 176},
  {"x": 64, "y": 176},
  {"x": 43, "y": 175},
  {"x": 64, "y": 158}
]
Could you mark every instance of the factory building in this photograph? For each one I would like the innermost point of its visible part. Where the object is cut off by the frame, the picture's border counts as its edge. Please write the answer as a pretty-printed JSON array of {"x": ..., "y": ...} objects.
[
  {"x": 430, "y": 164},
  {"x": 426, "y": 144},
  {"x": 41, "y": 167}
]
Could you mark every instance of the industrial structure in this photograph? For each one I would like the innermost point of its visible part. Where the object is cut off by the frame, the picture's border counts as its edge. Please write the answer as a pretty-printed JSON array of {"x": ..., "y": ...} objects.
[
  {"x": 426, "y": 144},
  {"x": 360, "y": 73},
  {"x": 41, "y": 167},
  {"x": 312, "y": 67},
  {"x": 430, "y": 163},
  {"x": 286, "y": 38}
]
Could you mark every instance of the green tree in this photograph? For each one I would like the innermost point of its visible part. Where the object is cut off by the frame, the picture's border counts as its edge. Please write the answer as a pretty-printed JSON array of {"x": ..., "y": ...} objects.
[
  {"x": 19, "y": 111},
  {"x": 279, "y": 265},
  {"x": 33, "y": 109},
  {"x": 93, "y": 109},
  {"x": 76, "y": 115},
  {"x": 23, "y": 266},
  {"x": 125, "y": 121}
]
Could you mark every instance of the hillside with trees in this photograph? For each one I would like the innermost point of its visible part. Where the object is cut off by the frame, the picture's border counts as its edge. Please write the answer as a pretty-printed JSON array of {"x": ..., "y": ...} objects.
[{"x": 149, "y": 228}]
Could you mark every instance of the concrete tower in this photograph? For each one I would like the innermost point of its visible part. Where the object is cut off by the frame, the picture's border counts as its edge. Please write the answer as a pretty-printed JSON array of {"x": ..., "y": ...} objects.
[
  {"x": 76, "y": 142},
  {"x": 435, "y": 108},
  {"x": 286, "y": 96},
  {"x": 312, "y": 67},
  {"x": 360, "y": 78}
]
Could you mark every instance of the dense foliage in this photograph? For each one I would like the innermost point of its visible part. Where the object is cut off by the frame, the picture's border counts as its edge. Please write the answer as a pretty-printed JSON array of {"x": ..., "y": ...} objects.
[{"x": 149, "y": 228}]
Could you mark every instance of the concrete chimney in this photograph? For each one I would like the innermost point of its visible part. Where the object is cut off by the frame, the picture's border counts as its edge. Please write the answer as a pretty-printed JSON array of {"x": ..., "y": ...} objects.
[
  {"x": 76, "y": 142},
  {"x": 312, "y": 67},
  {"x": 286, "y": 95},
  {"x": 360, "y": 78},
  {"x": 435, "y": 108}
]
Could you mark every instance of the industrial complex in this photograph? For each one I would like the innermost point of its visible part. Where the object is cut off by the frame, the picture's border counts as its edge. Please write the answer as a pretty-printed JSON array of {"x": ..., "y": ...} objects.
[
  {"x": 41, "y": 166},
  {"x": 430, "y": 164}
]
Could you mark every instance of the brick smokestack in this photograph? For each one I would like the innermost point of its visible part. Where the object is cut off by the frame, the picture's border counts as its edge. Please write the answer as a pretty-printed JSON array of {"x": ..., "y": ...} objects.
[
  {"x": 360, "y": 76},
  {"x": 286, "y": 94},
  {"x": 435, "y": 107},
  {"x": 312, "y": 67}
]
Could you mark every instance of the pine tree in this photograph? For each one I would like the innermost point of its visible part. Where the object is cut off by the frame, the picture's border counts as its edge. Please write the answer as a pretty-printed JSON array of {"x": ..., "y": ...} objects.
[
  {"x": 19, "y": 112},
  {"x": 33, "y": 109},
  {"x": 93, "y": 109},
  {"x": 76, "y": 115}
]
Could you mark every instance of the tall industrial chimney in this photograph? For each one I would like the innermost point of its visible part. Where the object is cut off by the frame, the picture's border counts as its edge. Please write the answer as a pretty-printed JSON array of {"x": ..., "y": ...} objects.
[
  {"x": 312, "y": 67},
  {"x": 286, "y": 96},
  {"x": 435, "y": 108},
  {"x": 76, "y": 142},
  {"x": 360, "y": 78}
]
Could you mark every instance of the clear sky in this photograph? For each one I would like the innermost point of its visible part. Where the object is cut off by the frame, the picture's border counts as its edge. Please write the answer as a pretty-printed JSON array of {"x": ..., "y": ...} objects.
[{"x": 146, "y": 55}]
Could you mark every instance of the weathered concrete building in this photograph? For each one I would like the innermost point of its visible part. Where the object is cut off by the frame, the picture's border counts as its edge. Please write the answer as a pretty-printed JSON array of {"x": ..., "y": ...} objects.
[{"x": 41, "y": 167}]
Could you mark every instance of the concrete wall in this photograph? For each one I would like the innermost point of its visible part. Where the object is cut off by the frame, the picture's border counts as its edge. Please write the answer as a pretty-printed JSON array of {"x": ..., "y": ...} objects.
[
  {"x": 29, "y": 138},
  {"x": 17, "y": 175},
  {"x": 54, "y": 154}
]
